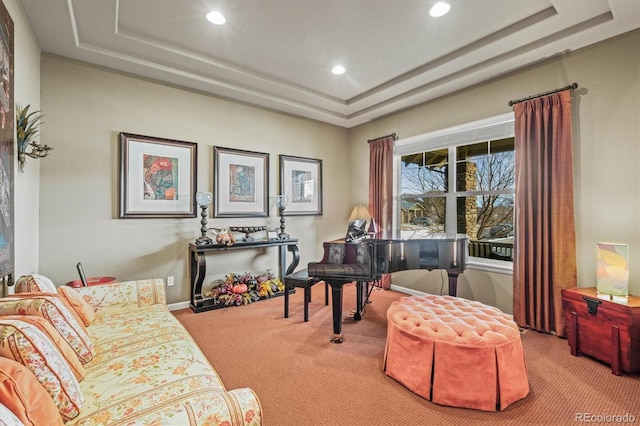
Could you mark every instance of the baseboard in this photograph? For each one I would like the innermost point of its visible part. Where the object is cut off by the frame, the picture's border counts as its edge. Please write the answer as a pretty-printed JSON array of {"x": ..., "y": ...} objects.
[
  {"x": 407, "y": 290},
  {"x": 184, "y": 305},
  {"x": 179, "y": 305}
]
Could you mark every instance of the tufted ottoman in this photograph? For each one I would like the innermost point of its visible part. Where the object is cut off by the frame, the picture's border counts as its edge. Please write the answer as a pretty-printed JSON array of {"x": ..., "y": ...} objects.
[{"x": 455, "y": 352}]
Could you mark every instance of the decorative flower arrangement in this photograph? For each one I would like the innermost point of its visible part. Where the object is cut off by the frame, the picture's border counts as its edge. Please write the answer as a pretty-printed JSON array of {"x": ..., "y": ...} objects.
[{"x": 242, "y": 289}]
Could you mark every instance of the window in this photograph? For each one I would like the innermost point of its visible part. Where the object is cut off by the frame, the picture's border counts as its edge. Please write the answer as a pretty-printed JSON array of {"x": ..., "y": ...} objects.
[{"x": 460, "y": 180}]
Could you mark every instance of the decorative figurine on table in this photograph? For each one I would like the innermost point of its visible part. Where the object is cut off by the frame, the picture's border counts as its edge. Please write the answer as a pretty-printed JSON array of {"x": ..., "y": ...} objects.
[{"x": 225, "y": 238}]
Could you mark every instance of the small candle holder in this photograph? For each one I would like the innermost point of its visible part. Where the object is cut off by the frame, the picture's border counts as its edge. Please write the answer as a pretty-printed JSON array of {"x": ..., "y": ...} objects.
[
  {"x": 282, "y": 201},
  {"x": 203, "y": 199}
]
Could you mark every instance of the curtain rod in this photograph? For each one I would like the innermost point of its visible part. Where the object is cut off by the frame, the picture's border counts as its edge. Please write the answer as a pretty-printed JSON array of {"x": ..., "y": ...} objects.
[
  {"x": 573, "y": 86},
  {"x": 393, "y": 135}
]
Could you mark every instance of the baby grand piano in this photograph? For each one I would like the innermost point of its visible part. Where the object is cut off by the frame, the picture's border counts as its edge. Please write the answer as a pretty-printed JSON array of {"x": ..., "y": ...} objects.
[{"x": 374, "y": 257}]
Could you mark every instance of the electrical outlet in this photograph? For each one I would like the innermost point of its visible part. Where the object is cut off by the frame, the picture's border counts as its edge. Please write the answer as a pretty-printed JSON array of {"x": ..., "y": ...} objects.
[{"x": 169, "y": 281}]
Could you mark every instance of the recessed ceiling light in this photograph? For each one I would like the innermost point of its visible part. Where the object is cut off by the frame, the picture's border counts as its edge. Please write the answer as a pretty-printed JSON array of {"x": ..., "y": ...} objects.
[
  {"x": 439, "y": 9},
  {"x": 338, "y": 69},
  {"x": 216, "y": 17}
]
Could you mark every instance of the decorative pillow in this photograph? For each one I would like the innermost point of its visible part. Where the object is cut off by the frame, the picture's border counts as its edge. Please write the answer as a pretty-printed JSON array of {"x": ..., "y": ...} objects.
[
  {"x": 58, "y": 296},
  {"x": 26, "y": 344},
  {"x": 51, "y": 308},
  {"x": 21, "y": 393},
  {"x": 78, "y": 304},
  {"x": 63, "y": 347},
  {"x": 7, "y": 418},
  {"x": 34, "y": 283}
]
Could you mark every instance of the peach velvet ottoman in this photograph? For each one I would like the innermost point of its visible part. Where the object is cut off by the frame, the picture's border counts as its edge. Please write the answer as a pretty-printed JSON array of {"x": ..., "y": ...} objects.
[{"x": 456, "y": 352}]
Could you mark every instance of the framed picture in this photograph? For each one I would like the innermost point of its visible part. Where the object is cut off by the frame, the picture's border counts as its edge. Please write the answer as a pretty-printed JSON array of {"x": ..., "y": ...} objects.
[
  {"x": 241, "y": 182},
  {"x": 272, "y": 234},
  {"x": 301, "y": 184},
  {"x": 157, "y": 177},
  {"x": 7, "y": 147}
]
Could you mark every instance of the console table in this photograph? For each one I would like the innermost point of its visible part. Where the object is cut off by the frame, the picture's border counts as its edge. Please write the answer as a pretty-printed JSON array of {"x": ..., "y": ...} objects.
[{"x": 198, "y": 264}]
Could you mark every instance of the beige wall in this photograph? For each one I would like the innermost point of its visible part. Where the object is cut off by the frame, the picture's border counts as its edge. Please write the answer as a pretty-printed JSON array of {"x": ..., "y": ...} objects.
[
  {"x": 87, "y": 107},
  {"x": 26, "y": 185},
  {"x": 606, "y": 152}
]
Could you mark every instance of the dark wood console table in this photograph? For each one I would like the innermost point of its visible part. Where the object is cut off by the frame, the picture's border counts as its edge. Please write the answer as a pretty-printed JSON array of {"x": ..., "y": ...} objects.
[{"x": 198, "y": 264}]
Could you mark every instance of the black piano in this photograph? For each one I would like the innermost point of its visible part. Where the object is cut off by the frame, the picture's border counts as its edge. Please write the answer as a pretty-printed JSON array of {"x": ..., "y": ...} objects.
[{"x": 381, "y": 256}]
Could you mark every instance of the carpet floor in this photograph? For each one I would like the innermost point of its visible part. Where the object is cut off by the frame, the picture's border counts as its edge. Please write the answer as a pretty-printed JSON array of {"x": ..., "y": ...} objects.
[{"x": 303, "y": 379}]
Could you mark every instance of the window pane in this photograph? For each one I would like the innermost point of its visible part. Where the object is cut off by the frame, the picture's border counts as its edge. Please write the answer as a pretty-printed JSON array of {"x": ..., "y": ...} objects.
[
  {"x": 438, "y": 158},
  {"x": 472, "y": 167},
  {"x": 502, "y": 166},
  {"x": 423, "y": 180},
  {"x": 422, "y": 216},
  {"x": 502, "y": 145},
  {"x": 412, "y": 160},
  {"x": 488, "y": 220},
  {"x": 469, "y": 152},
  {"x": 487, "y": 166}
]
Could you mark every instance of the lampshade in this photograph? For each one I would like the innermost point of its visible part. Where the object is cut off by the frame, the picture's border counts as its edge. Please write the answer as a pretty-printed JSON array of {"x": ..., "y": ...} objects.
[
  {"x": 360, "y": 212},
  {"x": 203, "y": 198}
]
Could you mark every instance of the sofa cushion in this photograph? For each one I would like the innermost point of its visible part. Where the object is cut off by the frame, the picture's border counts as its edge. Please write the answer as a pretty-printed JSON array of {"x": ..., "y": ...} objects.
[
  {"x": 34, "y": 283},
  {"x": 61, "y": 345},
  {"x": 51, "y": 307},
  {"x": 123, "y": 296},
  {"x": 134, "y": 371},
  {"x": 21, "y": 393},
  {"x": 25, "y": 343},
  {"x": 78, "y": 304}
]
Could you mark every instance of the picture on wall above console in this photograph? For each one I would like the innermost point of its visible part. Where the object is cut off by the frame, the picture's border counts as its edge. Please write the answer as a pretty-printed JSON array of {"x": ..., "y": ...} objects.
[
  {"x": 240, "y": 182},
  {"x": 157, "y": 177},
  {"x": 301, "y": 184}
]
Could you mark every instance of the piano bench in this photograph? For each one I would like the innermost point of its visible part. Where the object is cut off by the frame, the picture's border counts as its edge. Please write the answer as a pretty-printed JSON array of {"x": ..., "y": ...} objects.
[
  {"x": 455, "y": 352},
  {"x": 301, "y": 279}
]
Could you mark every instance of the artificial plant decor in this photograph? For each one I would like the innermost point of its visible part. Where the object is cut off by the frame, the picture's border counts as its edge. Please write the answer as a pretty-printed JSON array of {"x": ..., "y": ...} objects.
[
  {"x": 27, "y": 128},
  {"x": 242, "y": 289}
]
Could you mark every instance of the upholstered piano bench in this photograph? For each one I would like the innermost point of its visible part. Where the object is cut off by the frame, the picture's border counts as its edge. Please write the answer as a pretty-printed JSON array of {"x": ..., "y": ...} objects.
[{"x": 455, "y": 352}]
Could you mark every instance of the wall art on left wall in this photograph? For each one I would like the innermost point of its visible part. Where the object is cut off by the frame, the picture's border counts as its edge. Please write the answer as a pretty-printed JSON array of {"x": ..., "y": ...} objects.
[
  {"x": 7, "y": 125},
  {"x": 157, "y": 177}
]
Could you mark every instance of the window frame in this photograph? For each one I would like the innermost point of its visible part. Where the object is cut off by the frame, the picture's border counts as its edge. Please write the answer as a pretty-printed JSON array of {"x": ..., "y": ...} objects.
[{"x": 492, "y": 128}]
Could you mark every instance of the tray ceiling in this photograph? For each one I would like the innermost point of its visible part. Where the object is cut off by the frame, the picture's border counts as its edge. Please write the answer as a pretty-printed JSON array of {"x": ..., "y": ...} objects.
[{"x": 278, "y": 54}]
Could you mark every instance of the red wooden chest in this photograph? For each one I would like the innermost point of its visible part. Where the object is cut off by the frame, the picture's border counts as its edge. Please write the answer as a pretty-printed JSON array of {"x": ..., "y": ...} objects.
[{"x": 608, "y": 330}]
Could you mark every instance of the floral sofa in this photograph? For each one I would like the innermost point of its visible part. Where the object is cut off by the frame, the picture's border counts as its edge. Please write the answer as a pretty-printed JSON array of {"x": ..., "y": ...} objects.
[{"x": 108, "y": 354}]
